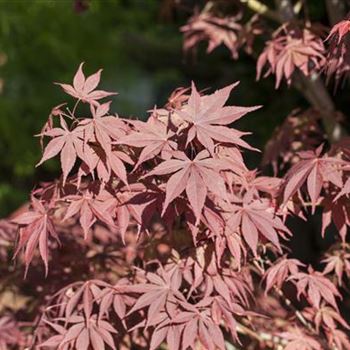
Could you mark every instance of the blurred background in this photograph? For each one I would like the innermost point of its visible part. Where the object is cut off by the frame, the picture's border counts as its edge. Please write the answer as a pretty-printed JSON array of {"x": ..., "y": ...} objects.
[{"x": 139, "y": 46}]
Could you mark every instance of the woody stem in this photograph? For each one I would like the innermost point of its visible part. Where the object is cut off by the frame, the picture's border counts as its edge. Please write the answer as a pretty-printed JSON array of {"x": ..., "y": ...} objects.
[{"x": 313, "y": 87}]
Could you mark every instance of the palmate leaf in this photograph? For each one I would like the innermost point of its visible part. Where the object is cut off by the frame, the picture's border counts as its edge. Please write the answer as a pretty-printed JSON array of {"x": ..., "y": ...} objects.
[
  {"x": 84, "y": 88},
  {"x": 36, "y": 227},
  {"x": 170, "y": 310},
  {"x": 82, "y": 335},
  {"x": 315, "y": 170},
  {"x": 277, "y": 274},
  {"x": 69, "y": 143},
  {"x": 158, "y": 293},
  {"x": 103, "y": 128},
  {"x": 171, "y": 333},
  {"x": 177, "y": 98},
  {"x": 338, "y": 63},
  {"x": 90, "y": 209},
  {"x": 227, "y": 285},
  {"x": 79, "y": 326},
  {"x": 338, "y": 338},
  {"x": 116, "y": 297},
  {"x": 143, "y": 203},
  {"x": 196, "y": 177},
  {"x": 291, "y": 49},
  {"x": 345, "y": 190},
  {"x": 10, "y": 335},
  {"x": 338, "y": 265},
  {"x": 207, "y": 116},
  {"x": 252, "y": 218},
  {"x": 213, "y": 29},
  {"x": 154, "y": 137},
  {"x": 200, "y": 326},
  {"x": 255, "y": 184},
  {"x": 196, "y": 324},
  {"x": 325, "y": 317},
  {"x": 80, "y": 142},
  {"x": 297, "y": 340},
  {"x": 339, "y": 31},
  {"x": 337, "y": 212},
  {"x": 315, "y": 287},
  {"x": 84, "y": 298}
]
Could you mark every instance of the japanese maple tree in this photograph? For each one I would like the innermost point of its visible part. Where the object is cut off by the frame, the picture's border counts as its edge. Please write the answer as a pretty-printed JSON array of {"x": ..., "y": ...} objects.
[{"x": 158, "y": 235}]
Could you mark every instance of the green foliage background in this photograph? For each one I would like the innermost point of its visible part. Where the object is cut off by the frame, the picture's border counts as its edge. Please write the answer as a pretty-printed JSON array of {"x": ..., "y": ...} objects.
[{"x": 140, "y": 50}]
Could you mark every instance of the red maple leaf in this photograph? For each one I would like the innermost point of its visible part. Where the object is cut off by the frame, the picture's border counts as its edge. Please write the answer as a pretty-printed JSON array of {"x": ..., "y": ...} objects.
[
  {"x": 326, "y": 317},
  {"x": 339, "y": 339},
  {"x": 213, "y": 29},
  {"x": 90, "y": 208},
  {"x": 339, "y": 31},
  {"x": 277, "y": 274},
  {"x": 337, "y": 264},
  {"x": 315, "y": 287},
  {"x": 154, "y": 137},
  {"x": 336, "y": 211},
  {"x": 103, "y": 128},
  {"x": 206, "y": 116},
  {"x": 84, "y": 88},
  {"x": 81, "y": 334},
  {"x": 115, "y": 296},
  {"x": 297, "y": 340},
  {"x": 254, "y": 217},
  {"x": 290, "y": 51},
  {"x": 69, "y": 143},
  {"x": 316, "y": 170},
  {"x": 200, "y": 326},
  {"x": 158, "y": 292},
  {"x": 196, "y": 177},
  {"x": 10, "y": 335},
  {"x": 35, "y": 229},
  {"x": 177, "y": 98},
  {"x": 169, "y": 332},
  {"x": 99, "y": 133}
]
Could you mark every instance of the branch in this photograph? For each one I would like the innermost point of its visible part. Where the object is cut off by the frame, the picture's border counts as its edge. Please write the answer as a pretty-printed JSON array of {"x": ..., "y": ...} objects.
[
  {"x": 313, "y": 87},
  {"x": 262, "y": 9},
  {"x": 285, "y": 9},
  {"x": 298, "y": 6},
  {"x": 261, "y": 337},
  {"x": 318, "y": 96}
]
